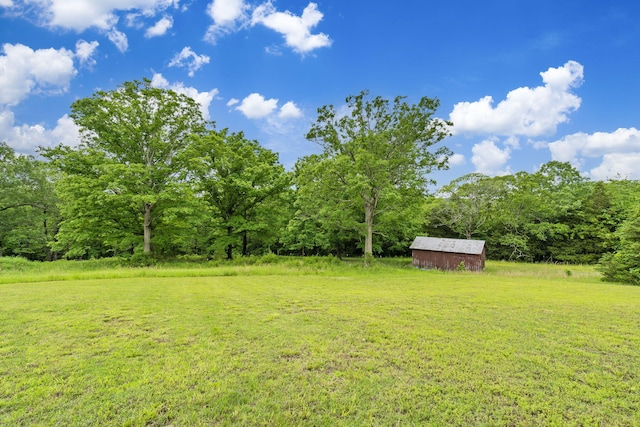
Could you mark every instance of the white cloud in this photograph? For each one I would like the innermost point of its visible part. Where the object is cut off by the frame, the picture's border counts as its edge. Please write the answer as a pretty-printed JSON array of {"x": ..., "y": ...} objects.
[
  {"x": 567, "y": 148},
  {"x": 202, "y": 98},
  {"x": 488, "y": 158},
  {"x": 616, "y": 148},
  {"x": 24, "y": 71},
  {"x": 6, "y": 3},
  {"x": 572, "y": 147},
  {"x": 226, "y": 12},
  {"x": 457, "y": 160},
  {"x": 255, "y": 106},
  {"x": 232, "y": 102},
  {"x": 66, "y": 132},
  {"x": 289, "y": 111},
  {"x": 295, "y": 29},
  {"x": 119, "y": 39},
  {"x": 27, "y": 138},
  {"x": 512, "y": 142},
  {"x": 227, "y": 15},
  {"x": 79, "y": 15},
  {"x": 616, "y": 166},
  {"x": 160, "y": 28},
  {"x": 623, "y": 140},
  {"x": 189, "y": 59},
  {"x": 525, "y": 111},
  {"x": 85, "y": 51},
  {"x": 283, "y": 123}
]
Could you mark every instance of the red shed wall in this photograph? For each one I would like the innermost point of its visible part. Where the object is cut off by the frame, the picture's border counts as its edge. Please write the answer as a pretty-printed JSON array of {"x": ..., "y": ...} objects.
[{"x": 447, "y": 260}]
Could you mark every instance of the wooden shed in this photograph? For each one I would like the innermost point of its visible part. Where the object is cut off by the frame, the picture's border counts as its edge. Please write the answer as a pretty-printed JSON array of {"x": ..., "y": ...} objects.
[{"x": 447, "y": 254}]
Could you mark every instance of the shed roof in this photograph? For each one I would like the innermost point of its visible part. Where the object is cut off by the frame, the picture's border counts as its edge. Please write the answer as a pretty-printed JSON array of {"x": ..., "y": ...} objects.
[{"x": 438, "y": 244}]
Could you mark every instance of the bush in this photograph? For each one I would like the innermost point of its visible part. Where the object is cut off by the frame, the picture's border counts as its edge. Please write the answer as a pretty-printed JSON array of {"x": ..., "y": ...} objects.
[
  {"x": 141, "y": 259},
  {"x": 269, "y": 258},
  {"x": 620, "y": 267}
]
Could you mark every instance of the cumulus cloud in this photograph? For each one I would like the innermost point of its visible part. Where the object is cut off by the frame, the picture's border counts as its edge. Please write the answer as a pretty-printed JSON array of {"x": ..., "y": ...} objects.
[
  {"x": 489, "y": 159},
  {"x": 202, "y": 98},
  {"x": 296, "y": 30},
  {"x": 187, "y": 58},
  {"x": 289, "y": 111},
  {"x": 24, "y": 71},
  {"x": 255, "y": 106},
  {"x": 617, "y": 166},
  {"x": 619, "y": 146},
  {"x": 227, "y": 16},
  {"x": 457, "y": 160},
  {"x": 160, "y": 28},
  {"x": 27, "y": 138},
  {"x": 525, "y": 111},
  {"x": 79, "y": 15},
  {"x": 85, "y": 51}
]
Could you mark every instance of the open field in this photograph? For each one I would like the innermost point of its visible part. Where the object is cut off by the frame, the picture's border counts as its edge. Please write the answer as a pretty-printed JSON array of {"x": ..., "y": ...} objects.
[{"x": 317, "y": 343}]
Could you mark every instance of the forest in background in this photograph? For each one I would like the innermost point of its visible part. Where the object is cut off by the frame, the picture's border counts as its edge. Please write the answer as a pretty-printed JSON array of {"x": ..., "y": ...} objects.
[{"x": 151, "y": 178}]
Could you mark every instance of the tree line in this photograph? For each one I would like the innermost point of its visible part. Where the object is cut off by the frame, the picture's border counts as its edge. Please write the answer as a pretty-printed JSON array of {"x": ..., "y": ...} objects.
[{"x": 151, "y": 177}]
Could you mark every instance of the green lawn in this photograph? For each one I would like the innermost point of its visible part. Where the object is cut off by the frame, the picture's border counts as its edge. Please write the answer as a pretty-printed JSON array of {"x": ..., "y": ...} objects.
[{"x": 333, "y": 344}]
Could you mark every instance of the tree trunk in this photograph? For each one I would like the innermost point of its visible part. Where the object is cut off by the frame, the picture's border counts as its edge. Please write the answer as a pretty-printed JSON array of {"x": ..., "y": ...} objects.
[
  {"x": 47, "y": 249},
  {"x": 230, "y": 246},
  {"x": 245, "y": 244},
  {"x": 147, "y": 228},
  {"x": 369, "y": 213}
]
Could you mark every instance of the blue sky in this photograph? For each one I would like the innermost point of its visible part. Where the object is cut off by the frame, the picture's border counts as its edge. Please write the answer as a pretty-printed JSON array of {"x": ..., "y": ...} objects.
[{"x": 524, "y": 82}]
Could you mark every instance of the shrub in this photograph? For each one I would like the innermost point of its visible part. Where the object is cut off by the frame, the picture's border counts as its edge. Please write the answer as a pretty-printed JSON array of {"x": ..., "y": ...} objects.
[
  {"x": 269, "y": 258},
  {"x": 141, "y": 259}
]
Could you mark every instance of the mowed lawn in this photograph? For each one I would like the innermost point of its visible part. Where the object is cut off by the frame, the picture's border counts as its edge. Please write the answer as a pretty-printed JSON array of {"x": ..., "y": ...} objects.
[{"x": 515, "y": 345}]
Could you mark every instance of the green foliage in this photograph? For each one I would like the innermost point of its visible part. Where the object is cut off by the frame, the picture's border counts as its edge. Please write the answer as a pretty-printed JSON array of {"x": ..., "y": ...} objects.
[
  {"x": 152, "y": 176},
  {"x": 29, "y": 215},
  {"x": 141, "y": 259},
  {"x": 376, "y": 155},
  {"x": 467, "y": 204},
  {"x": 127, "y": 172},
  {"x": 325, "y": 220},
  {"x": 269, "y": 258},
  {"x": 624, "y": 264},
  {"x": 552, "y": 215},
  {"x": 14, "y": 264},
  {"x": 244, "y": 184}
]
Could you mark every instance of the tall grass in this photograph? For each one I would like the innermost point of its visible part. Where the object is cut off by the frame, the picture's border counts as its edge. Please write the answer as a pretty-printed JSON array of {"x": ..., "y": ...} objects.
[{"x": 14, "y": 269}]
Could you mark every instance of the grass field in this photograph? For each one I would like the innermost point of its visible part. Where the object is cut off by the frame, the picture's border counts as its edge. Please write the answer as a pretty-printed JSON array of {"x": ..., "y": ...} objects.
[{"x": 316, "y": 343}]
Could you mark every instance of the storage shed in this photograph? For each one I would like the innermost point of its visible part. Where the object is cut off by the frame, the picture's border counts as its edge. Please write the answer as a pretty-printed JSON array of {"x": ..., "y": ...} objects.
[{"x": 447, "y": 254}]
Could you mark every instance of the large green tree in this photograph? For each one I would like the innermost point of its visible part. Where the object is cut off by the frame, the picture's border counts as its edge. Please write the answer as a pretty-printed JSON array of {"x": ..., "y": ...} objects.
[
  {"x": 534, "y": 219},
  {"x": 244, "y": 183},
  {"x": 465, "y": 205},
  {"x": 28, "y": 207},
  {"x": 379, "y": 153},
  {"x": 623, "y": 265},
  {"x": 322, "y": 221},
  {"x": 130, "y": 160}
]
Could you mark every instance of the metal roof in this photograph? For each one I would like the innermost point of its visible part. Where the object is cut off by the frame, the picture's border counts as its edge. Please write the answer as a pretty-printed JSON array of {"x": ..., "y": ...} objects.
[{"x": 438, "y": 244}]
